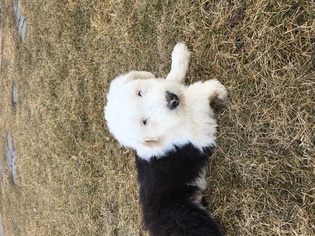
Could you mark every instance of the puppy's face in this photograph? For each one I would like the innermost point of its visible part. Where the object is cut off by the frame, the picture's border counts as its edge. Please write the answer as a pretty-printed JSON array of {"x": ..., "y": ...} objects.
[{"x": 142, "y": 113}]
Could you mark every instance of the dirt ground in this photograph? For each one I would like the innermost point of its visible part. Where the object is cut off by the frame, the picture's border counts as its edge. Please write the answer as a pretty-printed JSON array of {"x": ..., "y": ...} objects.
[{"x": 72, "y": 177}]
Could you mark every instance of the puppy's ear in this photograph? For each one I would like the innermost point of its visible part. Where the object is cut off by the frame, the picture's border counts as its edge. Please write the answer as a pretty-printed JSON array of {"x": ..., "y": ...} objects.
[
  {"x": 140, "y": 75},
  {"x": 120, "y": 81}
]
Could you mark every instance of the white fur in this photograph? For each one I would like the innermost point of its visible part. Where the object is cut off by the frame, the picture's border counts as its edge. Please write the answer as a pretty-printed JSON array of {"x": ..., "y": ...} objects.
[
  {"x": 200, "y": 182},
  {"x": 192, "y": 121}
]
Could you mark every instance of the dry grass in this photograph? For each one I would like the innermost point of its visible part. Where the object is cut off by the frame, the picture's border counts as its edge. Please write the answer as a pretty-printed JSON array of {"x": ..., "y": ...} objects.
[{"x": 74, "y": 179}]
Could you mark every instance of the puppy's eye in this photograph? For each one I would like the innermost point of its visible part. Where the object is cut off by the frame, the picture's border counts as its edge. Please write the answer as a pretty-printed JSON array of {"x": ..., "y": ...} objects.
[
  {"x": 139, "y": 93},
  {"x": 144, "y": 121}
]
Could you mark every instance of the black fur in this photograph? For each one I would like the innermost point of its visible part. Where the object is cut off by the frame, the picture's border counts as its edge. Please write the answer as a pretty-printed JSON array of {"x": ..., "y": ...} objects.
[{"x": 166, "y": 199}]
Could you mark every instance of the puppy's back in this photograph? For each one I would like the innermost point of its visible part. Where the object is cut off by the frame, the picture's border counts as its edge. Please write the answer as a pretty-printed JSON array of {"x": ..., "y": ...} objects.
[{"x": 168, "y": 193}]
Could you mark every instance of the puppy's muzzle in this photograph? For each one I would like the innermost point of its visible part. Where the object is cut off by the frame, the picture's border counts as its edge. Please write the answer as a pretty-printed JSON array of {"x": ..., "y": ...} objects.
[{"x": 172, "y": 100}]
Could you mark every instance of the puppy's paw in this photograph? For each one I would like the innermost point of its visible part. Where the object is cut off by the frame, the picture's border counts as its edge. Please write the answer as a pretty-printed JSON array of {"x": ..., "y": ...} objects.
[
  {"x": 220, "y": 93},
  {"x": 216, "y": 91},
  {"x": 180, "y": 62},
  {"x": 180, "y": 53}
]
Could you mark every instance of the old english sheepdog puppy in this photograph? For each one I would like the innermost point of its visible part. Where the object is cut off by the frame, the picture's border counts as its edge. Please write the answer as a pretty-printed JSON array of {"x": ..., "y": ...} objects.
[{"x": 173, "y": 130}]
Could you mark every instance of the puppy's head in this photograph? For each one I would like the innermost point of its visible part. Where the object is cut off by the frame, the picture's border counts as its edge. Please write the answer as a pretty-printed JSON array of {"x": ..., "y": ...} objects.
[{"x": 143, "y": 111}]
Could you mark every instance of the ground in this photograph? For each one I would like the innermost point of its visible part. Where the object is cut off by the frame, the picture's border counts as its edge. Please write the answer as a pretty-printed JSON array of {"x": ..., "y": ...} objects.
[{"x": 72, "y": 177}]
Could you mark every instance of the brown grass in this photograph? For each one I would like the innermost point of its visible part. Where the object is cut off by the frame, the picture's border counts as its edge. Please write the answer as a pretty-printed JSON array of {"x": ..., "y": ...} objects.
[{"x": 72, "y": 176}]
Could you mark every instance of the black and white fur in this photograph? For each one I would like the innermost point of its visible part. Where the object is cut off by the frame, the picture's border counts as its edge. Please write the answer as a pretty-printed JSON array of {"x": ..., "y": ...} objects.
[
  {"x": 172, "y": 127},
  {"x": 170, "y": 198}
]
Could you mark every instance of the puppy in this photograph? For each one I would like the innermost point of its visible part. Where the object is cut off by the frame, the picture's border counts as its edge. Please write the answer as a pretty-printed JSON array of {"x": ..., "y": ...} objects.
[{"x": 172, "y": 127}]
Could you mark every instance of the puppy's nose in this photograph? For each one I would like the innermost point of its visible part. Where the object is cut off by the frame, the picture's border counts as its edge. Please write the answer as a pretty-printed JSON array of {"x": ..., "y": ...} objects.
[{"x": 172, "y": 100}]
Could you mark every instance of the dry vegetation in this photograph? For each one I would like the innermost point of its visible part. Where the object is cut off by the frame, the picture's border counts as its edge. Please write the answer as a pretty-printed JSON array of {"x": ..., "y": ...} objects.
[{"x": 72, "y": 176}]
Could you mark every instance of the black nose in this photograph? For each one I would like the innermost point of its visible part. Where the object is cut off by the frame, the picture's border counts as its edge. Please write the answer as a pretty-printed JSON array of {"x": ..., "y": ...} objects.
[{"x": 172, "y": 100}]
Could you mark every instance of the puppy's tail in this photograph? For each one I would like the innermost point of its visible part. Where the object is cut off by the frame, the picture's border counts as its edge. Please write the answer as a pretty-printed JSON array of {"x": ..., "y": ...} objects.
[{"x": 180, "y": 62}]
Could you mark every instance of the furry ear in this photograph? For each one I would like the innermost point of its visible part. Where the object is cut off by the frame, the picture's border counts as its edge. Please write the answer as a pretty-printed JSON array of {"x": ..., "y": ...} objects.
[
  {"x": 140, "y": 75},
  {"x": 122, "y": 80}
]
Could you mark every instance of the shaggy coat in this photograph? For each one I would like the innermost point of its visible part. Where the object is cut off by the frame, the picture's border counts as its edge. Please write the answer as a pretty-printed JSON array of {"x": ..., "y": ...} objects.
[
  {"x": 172, "y": 127},
  {"x": 169, "y": 198}
]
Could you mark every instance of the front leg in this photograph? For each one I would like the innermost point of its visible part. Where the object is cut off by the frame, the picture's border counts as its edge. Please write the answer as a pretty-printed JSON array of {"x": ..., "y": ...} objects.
[
  {"x": 211, "y": 90},
  {"x": 180, "y": 62},
  {"x": 197, "y": 100}
]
